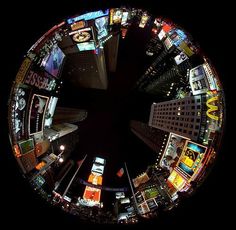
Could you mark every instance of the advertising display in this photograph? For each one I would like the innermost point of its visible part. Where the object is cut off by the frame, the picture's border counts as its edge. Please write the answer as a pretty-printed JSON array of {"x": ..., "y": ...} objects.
[
  {"x": 115, "y": 16},
  {"x": 177, "y": 36},
  {"x": 19, "y": 112},
  {"x": 180, "y": 58},
  {"x": 85, "y": 46},
  {"x": 78, "y": 25},
  {"x": 144, "y": 20},
  {"x": 39, "y": 181},
  {"x": 139, "y": 197},
  {"x": 161, "y": 35},
  {"x": 26, "y": 146},
  {"x": 173, "y": 150},
  {"x": 124, "y": 18},
  {"x": 192, "y": 155},
  {"x": 168, "y": 43},
  {"x": 97, "y": 168},
  {"x": 40, "y": 165},
  {"x": 95, "y": 179},
  {"x": 88, "y": 16},
  {"x": 83, "y": 35},
  {"x": 23, "y": 70},
  {"x": 177, "y": 180},
  {"x": 93, "y": 194},
  {"x": 140, "y": 180},
  {"x": 125, "y": 200},
  {"x": 40, "y": 80},
  {"x": 54, "y": 61},
  {"x": 101, "y": 27},
  {"x": 185, "y": 48},
  {"x": 150, "y": 193},
  {"x": 197, "y": 80},
  {"x": 120, "y": 195},
  {"x": 50, "y": 111},
  {"x": 151, "y": 204},
  {"x": 144, "y": 208},
  {"x": 100, "y": 160},
  {"x": 37, "y": 113},
  {"x": 210, "y": 77}
]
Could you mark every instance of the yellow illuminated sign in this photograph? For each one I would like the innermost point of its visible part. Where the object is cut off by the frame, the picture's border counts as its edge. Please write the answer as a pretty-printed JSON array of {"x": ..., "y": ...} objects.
[
  {"x": 23, "y": 70},
  {"x": 212, "y": 108}
]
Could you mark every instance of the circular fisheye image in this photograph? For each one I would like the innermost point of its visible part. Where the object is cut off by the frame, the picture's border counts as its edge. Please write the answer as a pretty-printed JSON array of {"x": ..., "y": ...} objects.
[{"x": 116, "y": 116}]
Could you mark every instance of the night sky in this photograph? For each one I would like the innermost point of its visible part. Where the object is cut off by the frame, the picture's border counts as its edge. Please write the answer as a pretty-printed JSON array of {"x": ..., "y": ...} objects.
[{"x": 208, "y": 27}]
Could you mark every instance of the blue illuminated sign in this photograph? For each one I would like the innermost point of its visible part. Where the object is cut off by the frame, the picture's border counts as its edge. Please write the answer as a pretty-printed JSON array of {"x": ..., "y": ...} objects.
[{"x": 88, "y": 16}]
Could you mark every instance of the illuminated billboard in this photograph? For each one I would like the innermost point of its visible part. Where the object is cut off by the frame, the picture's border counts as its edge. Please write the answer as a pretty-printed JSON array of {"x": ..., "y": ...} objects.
[
  {"x": 124, "y": 18},
  {"x": 140, "y": 180},
  {"x": 150, "y": 193},
  {"x": 95, "y": 179},
  {"x": 83, "y": 35},
  {"x": 177, "y": 180},
  {"x": 115, "y": 16},
  {"x": 97, "y": 168},
  {"x": 26, "y": 146},
  {"x": 168, "y": 43},
  {"x": 177, "y": 36},
  {"x": 172, "y": 151},
  {"x": 85, "y": 46},
  {"x": 18, "y": 112},
  {"x": 197, "y": 80},
  {"x": 78, "y": 25},
  {"x": 88, "y": 16},
  {"x": 101, "y": 27},
  {"x": 92, "y": 194},
  {"x": 143, "y": 20},
  {"x": 50, "y": 111},
  {"x": 100, "y": 160},
  {"x": 40, "y": 80},
  {"x": 37, "y": 113},
  {"x": 144, "y": 208},
  {"x": 152, "y": 204},
  {"x": 161, "y": 35},
  {"x": 23, "y": 70},
  {"x": 180, "y": 58},
  {"x": 192, "y": 155},
  {"x": 54, "y": 61}
]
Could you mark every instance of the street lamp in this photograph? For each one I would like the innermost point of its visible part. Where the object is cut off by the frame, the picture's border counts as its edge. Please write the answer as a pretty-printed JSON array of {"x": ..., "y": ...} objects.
[{"x": 62, "y": 147}]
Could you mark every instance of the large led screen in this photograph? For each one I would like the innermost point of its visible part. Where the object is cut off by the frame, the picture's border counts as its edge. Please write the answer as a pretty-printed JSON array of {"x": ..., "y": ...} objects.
[
  {"x": 54, "y": 62},
  {"x": 101, "y": 27},
  {"x": 37, "y": 113},
  {"x": 172, "y": 151},
  {"x": 192, "y": 155}
]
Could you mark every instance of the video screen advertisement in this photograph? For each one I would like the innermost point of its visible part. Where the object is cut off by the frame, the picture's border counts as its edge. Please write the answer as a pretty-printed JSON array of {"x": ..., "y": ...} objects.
[
  {"x": 191, "y": 157},
  {"x": 92, "y": 194},
  {"x": 26, "y": 146},
  {"x": 95, "y": 179},
  {"x": 101, "y": 25},
  {"x": 173, "y": 150},
  {"x": 177, "y": 180},
  {"x": 115, "y": 16},
  {"x": 18, "y": 112},
  {"x": 37, "y": 113},
  {"x": 54, "y": 61}
]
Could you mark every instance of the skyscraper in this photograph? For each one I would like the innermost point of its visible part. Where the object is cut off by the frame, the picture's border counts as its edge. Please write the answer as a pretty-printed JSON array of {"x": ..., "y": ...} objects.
[
  {"x": 152, "y": 137},
  {"x": 181, "y": 116}
]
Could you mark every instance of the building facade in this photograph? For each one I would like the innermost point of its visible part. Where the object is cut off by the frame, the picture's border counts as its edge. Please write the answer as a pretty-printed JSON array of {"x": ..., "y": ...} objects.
[{"x": 181, "y": 116}]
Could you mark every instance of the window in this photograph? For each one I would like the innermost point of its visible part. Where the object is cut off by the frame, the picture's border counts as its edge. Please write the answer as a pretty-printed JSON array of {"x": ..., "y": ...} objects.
[
  {"x": 184, "y": 131},
  {"x": 195, "y": 134},
  {"x": 198, "y": 120},
  {"x": 190, "y": 132},
  {"x": 198, "y": 107},
  {"x": 197, "y": 127},
  {"x": 198, "y": 100},
  {"x": 193, "y": 107}
]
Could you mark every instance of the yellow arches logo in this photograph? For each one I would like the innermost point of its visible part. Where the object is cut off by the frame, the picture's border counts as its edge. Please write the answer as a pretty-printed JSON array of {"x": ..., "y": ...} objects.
[{"x": 212, "y": 108}]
